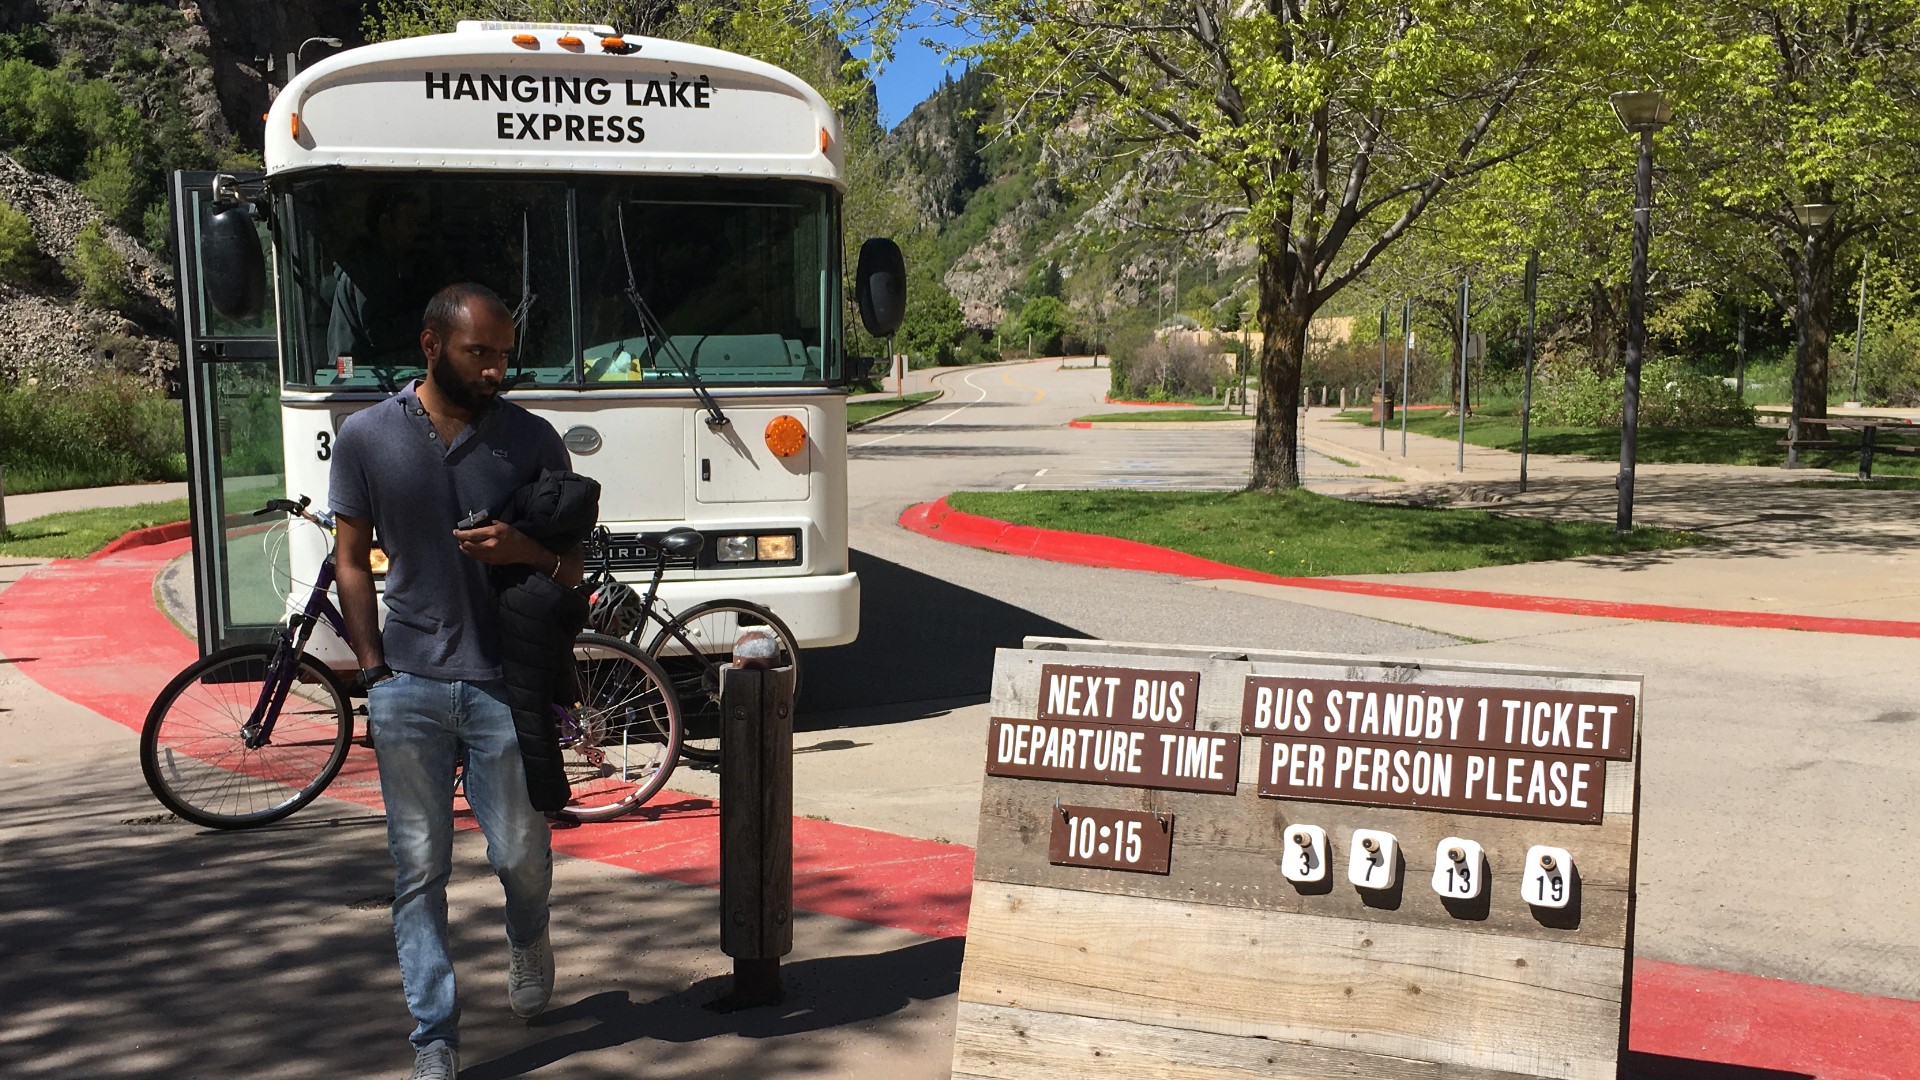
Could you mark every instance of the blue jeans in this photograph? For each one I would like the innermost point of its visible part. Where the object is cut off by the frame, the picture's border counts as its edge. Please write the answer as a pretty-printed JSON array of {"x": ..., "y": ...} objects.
[{"x": 419, "y": 725}]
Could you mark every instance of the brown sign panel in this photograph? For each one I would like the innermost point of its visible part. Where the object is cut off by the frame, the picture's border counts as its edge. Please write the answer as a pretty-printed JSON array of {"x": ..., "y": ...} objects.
[
  {"x": 1111, "y": 695},
  {"x": 1111, "y": 839},
  {"x": 1547, "y": 787},
  {"x": 1566, "y": 722},
  {"x": 1124, "y": 754}
]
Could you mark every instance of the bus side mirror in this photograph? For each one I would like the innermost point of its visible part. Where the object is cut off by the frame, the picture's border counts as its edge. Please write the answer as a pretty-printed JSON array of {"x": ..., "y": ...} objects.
[
  {"x": 881, "y": 286},
  {"x": 232, "y": 269}
]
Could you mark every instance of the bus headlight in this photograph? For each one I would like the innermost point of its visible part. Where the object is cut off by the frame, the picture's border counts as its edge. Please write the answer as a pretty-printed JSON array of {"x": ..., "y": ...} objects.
[
  {"x": 734, "y": 549},
  {"x": 776, "y": 548}
]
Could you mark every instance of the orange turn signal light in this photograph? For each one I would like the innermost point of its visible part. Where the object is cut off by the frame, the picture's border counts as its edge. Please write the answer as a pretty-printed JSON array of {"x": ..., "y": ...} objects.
[
  {"x": 825, "y": 139},
  {"x": 296, "y": 125},
  {"x": 570, "y": 41},
  {"x": 786, "y": 436},
  {"x": 526, "y": 41}
]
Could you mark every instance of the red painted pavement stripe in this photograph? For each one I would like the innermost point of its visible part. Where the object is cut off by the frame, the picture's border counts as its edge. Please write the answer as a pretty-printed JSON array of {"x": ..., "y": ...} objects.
[
  {"x": 1685, "y": 1013},
  {"x": 942, "y": 522},
  {"x": 1079, "y": 423},
  {"x": 1696, "y": 1014},
  {"x": 841, "y": 870}
]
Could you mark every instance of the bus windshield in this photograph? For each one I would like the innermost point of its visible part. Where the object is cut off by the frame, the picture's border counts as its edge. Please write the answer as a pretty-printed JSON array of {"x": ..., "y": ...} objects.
[{"x": 743, "y": 277}]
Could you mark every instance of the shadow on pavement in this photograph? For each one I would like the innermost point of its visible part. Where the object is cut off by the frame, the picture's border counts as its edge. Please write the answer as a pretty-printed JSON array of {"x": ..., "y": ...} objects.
[
  {"x": 159, "y": 950},
  {"x": 1661, "y": 1067},
  {"x": 921, "y": 639},
  {"x": 823, "y": 993}
]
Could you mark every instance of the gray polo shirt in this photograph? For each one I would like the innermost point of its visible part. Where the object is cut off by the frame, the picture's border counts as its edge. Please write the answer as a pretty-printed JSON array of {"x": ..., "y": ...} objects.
[{"x": 390, "y": 467}]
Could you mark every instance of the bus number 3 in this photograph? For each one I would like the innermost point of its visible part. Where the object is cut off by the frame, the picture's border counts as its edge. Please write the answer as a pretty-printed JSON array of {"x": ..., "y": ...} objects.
[{"x": 323, "y": 448}]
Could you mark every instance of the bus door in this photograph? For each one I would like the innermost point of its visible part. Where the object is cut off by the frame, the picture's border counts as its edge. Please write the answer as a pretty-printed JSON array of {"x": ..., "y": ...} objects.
[{"x": 235, "y": 458}]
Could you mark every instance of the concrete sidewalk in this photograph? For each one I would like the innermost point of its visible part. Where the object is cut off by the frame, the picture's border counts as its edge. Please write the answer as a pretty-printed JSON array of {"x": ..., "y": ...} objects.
[
  {"x": 41, "y": 503},
  {"x": 1806, "y": 541}
]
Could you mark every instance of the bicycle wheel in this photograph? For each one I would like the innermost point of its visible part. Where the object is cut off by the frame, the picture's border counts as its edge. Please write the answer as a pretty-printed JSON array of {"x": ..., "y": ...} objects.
[
  {"x": 620, "y": 739},
  {"x": 695, "y": 646},
  {"x": 193, "y": 747}
]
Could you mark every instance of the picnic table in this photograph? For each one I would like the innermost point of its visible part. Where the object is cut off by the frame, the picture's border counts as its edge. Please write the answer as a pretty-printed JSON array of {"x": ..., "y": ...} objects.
[{"x": 1869, "y": 427}]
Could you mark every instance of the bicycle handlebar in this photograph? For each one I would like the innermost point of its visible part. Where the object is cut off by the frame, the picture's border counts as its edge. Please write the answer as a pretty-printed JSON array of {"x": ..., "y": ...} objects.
[{"x": 322, "y": 518}]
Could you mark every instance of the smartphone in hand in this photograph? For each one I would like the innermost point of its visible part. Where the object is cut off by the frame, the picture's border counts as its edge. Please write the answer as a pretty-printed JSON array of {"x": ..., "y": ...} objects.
[{"x": 474, "y": 520}]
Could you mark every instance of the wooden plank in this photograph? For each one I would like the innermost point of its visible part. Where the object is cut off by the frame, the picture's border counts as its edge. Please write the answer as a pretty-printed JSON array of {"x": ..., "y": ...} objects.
[
  {"x": 1017, "y": 1044},
  {"x": 1546, "y": 1009},
  {"x": 1227, "y": 852}
]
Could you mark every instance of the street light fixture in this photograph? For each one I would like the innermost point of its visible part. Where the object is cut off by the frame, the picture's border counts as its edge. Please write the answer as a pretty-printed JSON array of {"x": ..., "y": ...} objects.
[
  {"x": 1641, "y": 112},
  {"x": 1812, "y": 218},
  {"x": 297, "y": 61}
]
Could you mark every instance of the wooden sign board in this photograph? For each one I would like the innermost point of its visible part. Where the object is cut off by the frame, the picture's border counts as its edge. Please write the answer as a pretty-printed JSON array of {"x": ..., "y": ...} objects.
[{"x": 1104, "y": 942}]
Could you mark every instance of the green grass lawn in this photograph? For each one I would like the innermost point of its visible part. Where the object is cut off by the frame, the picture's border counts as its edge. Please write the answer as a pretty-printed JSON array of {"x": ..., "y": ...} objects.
[
  {"x": 1678, "y": 446},
  {"x": 1160, "y": 416},
  {"x": 1299, "y": 533},
  {"x": 77, "y": 533},
  {"x": 867, "y": 410}
]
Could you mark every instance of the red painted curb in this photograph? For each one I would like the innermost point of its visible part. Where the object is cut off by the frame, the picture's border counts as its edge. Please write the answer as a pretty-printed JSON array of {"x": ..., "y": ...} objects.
[
  {"x": 147, "y": 537},
  {"x": 1697, "y": 1015},
  {"x": 1079, "y": 424},
  {"x": 942, "y": 522}
]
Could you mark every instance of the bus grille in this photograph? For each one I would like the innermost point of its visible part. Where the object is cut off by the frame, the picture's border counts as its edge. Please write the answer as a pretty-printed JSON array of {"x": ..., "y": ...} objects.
[{"x": 635, "y": 552}]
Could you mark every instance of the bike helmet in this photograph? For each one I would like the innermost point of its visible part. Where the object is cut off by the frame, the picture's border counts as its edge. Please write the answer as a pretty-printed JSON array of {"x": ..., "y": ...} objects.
[{"x": 613, "y": 608}]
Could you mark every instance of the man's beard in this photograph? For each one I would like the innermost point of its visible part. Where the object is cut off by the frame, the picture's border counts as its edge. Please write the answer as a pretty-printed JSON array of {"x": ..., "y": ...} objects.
[{"x": 469, "y": 397}]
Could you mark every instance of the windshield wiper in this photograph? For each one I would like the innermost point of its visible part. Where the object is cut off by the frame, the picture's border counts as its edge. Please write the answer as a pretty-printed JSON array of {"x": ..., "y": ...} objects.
[
  {"x": 656, "y": 332},
  {"x": 527, "y": 297}
]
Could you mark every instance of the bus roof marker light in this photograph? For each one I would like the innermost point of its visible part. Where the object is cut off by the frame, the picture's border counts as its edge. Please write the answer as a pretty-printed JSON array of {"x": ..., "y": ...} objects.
[
  {"x": 617, "y": 44},
  {"x": 526, "y": 41},
  {"x": 294, "y": 122},
  {"x": 786, "y": 436},
  {"x": 570, "y": 42}
]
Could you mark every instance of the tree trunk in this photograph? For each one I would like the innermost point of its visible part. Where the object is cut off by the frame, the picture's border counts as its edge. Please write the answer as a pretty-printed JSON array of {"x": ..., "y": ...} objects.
[
  {"x": 1285, "y": 310},
  {"x": 1819, "y": 338}
]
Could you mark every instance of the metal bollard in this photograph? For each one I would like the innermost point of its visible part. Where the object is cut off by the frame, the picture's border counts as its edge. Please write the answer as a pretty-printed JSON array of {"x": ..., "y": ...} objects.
[{"x": 756, "y": 819}]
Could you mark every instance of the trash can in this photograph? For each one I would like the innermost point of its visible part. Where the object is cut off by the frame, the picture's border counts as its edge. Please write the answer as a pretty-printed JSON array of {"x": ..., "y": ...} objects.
[{"x": 1382, "y": 407}]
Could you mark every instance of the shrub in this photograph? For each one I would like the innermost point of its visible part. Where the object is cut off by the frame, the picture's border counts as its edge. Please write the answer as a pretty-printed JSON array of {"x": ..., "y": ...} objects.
[
  {"x": 106, "y": 428},
  {"x": 1670, "y": 396},
  {"x": 96, "y": 269},
  {"x": 19, "y": 255},
  {"x": 1176, "y": 366},
  {"x": 113, "y": 184}
]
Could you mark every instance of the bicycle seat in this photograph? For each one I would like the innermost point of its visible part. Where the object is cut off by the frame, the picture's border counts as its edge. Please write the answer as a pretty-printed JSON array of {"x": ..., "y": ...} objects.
[{"x": 682, "y": 542}]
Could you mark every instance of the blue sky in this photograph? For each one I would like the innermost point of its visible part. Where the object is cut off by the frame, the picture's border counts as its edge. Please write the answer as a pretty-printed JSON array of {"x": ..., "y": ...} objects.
[{"x": 916, "y": 69}]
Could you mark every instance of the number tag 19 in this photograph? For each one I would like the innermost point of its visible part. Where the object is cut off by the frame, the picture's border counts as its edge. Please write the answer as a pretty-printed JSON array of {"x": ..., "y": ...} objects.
[{"x": 1549, "y": 880}]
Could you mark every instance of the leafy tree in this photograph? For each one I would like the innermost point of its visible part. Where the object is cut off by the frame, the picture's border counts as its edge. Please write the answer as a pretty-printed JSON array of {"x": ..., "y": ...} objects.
[
  {"x": 1045, "y": 321},
  {"x": 1810, "y": 102},
  {"x": 1324, "y": 131},
  {"x": 933, "y": 325}
]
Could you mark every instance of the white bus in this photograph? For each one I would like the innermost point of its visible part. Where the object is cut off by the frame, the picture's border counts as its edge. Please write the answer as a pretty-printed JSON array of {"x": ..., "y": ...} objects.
[{"x": 664, "y": 218}]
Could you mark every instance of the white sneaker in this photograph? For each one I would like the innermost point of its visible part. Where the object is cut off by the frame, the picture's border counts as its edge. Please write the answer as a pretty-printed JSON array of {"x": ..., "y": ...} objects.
[
  {"x": 530, "y": 978},
  {"x": 435, "y": 1061}
]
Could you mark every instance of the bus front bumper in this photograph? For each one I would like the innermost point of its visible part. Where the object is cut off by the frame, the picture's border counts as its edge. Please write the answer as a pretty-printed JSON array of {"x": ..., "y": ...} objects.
[{"x": 821, "y": 610}]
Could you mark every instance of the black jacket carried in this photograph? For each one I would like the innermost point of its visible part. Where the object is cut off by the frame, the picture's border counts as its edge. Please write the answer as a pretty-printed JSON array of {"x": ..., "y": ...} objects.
[{"x": 539, "y": 618}]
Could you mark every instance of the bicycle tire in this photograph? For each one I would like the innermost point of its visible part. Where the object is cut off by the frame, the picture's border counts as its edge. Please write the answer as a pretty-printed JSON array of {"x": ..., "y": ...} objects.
[
  {"x": 620, "y": 740},
  {"x": 712, "y": 628},
  {"x": 193, "y": 745}
]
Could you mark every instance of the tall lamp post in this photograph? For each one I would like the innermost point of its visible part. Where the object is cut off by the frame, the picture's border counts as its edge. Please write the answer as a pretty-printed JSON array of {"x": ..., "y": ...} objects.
[
  {"x": 1812, "y": 218},
  {"x": 1641, "y": 112}
]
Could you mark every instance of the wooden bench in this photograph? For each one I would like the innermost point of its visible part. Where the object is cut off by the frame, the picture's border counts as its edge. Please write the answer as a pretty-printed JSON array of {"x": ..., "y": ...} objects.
[{"x": 1869, "y": 428}]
